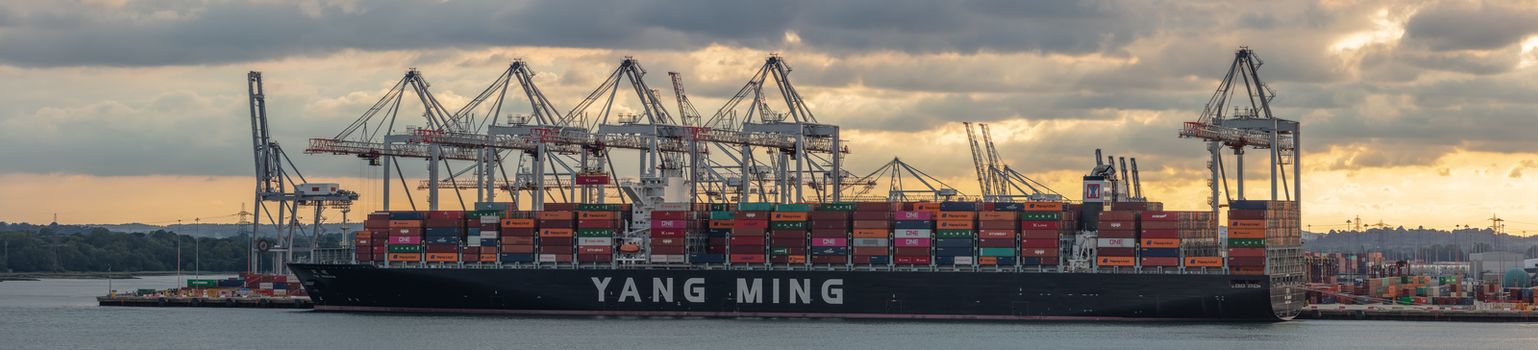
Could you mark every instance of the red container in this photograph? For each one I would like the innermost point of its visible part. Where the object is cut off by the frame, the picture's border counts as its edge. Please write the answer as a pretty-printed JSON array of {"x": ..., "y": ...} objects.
[
  {"x": 829, "y": 259},
  {"x": 872, "y": 215},
  {"x": 670, "y": 215},
  {"x": 554, "y": 241},
  {"x": 716, "y": 241},
  {"x": 1108, "y": 225},
  {"x": 442, "y": 248},
  {"x": 446, "y": 214},
  {"x": 996, "y": 242},
  {"x": 1118, "y": 234},
  {"x": 829, "y": 216},
  {"x": 863, "y": 259},
  {"x": 1104, "y": 251},
  {"x": 876, "y": 207},
  {"x": 560, "y": 249},
  {"x": 508, "y": 231},
  {"x": 600, "y": 258},
  {"x": 872, "y": 224},
  {"x": 747, "y": 258},
  {"x": 556, "y": 224},
  {"x": 1041, "y": 234},
  {"x": 751, "y": 224},
  {"x": 1248, "y": 252},
  {"x": 1161, "y": 234},
  {"x": 830, "y": 233},
  {"x": 904, "y": 251},
  {"x": 911, "y": 260},
  {"x": 517, "y": 248},
  {"x": 1118, "y": 215},
  {"x": 870, "y": 251},
  {"x": 1239, "y": 214},
  {"x": 787, "y": 242},
  {"x": 788, "y": 234},
  {"x": 995, "y": 225},
  {"x": 595, "y": 249},
  {"x": 827, "y": 225},
  {"x": 379, "y": 250},
  {"x": 470, "y": 258},
  {"x": 597, "y": 223},
  {"x": 1159, "y": 225},
  {"x": 668, "y": 241},
  {"x": 747, "y": 240},
  {"x": 748, "y": 232},
  {"x": 1160, "y": 261},
  {"x": 801, "y": 250},
  {"x": 753, "y": 215},
  {"x": 1039, "y": 243},
  {"x": 1039, "y": 225},
  {"x": 1247, "y": 261},
  {"x": 669, "y": 232},
  {"x": 1039, "y": 253},
  {"x": 518, "y": 240}
]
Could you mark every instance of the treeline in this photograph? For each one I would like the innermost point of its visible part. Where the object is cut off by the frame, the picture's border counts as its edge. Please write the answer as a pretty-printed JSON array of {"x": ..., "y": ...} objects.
[
  {"x": 1423, "y": 244},
  {"x": 97, "y": 250}
]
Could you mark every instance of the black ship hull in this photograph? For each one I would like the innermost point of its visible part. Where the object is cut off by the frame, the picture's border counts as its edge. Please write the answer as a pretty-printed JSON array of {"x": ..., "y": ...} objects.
[{"x": 779, "y": 293}]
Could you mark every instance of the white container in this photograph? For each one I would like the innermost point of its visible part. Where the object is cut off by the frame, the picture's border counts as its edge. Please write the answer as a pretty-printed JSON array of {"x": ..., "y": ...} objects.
[
  {"x": 491, "y": 220},
  {"x": 472, "y": 243},
  {"x": 911, "y": 233},
  {"x": 264, "y": 285},
  {"x": 672, "y": 207},
  {"x": 547, "y": 258},
  {"x": 489, "y": 234},
  {"x": 590, "y": 241},
  {"x": 963, "y": 260},
  {"x": 870, "y": 242},
  {"x": 1117, "y": 243}
]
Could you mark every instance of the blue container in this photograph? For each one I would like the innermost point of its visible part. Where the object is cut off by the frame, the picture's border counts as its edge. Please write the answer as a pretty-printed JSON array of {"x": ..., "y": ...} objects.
[
  {"x": 498, "y": 206},
  {"x": 473, "y": 231},
  {"x": 407, "y": 215},
  {"x": 488, "y": 242},
  {"x": 443, "y": 231},
  {"x": 1030, "y": 261},
  {"x": 880, "y": 260},
  {"x": 830, "y": 250},
  {"x": 953, "y": 251},
  {"x": 1006, "y": 260},
  {"x": 1008, "y": 207},
  {"x": 945, "y": 260},
  {"x": 913, "y": 224},
  {"x": 707, "y": 258},
  {"x": 718, "y": 232},
  {"x": 278, "y": 286},
  {"x": 954, "y": 243},
  {"x": 517, "y": 258},
  {"x": 958, "y": 206},
  {"x": 1161, "y": 253},
  {"x": 1247, "y": 205},
  {"x": 232, "y": 283},
  {"x": 441, "y": 240}
]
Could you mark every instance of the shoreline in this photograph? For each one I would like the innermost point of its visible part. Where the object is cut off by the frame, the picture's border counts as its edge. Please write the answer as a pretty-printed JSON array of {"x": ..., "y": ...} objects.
[{"x": 98, "y": 275}]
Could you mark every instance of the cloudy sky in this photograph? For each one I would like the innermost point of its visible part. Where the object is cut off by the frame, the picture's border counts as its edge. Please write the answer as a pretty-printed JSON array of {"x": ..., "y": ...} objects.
[{"x": 1416, "y": 113}]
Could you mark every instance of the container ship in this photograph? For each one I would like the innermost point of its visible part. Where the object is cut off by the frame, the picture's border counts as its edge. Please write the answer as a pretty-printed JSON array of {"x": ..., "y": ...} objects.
[{"x": 882, "y": 260}]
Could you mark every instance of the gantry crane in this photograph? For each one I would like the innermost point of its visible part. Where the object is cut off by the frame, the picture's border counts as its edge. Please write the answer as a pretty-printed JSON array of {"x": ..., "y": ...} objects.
[
  {"x": 997, "y": 180},
  {"x": 276, "y": 184},
  {"x": 1242, "y": 122},
  {"x": 904, "y": 183},
  {"x": 807, "y": 149}
]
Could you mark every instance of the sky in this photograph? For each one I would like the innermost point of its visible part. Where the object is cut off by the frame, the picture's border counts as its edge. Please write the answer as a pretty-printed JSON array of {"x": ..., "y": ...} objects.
[{"x": 1416, "y": 113}]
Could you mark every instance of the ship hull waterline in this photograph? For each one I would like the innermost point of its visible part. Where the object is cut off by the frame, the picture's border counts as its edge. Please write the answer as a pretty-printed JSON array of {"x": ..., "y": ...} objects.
[{"x": 857, "y": 294}]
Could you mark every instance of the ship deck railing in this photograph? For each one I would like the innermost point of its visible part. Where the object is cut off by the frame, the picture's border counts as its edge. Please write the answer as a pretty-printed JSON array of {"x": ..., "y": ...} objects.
[{"x": 783, "y": 267}]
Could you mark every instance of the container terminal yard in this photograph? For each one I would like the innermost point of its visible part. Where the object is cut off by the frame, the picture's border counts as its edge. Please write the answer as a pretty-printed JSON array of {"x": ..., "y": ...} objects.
[{"x": 749, "y": 212}]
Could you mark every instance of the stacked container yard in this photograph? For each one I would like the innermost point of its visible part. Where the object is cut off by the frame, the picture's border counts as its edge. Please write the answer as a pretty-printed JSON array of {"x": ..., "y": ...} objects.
[
  {"x": 480, "y": 242},
  {"x": 788, "y": 232},
  {"x": 747, "y": 242},
  {"x": 871, "y": 233},
  {"x": 1264, "y": 234},
  {"x": 830, "y": 228},
  {"x": 955, "y": 235},
  {"x": 557, "y": 232},
  {"x": 444, "y": 232},
  {"x": 669, "y": 229},
  {"x": 404, "y": 243},
  {"x": 518, "y": 238},
  {"x": 1041, "y": 229},
  {"x": 1159, "y": 238},
  {"x": 596, "y": 228},
  {"x": 369, "y": 244},
  {"x": 1198, "y": 239},
  {"x": 912, "y": 234},
  {"x": 998, "y": 234},
  {"x": 1117, "y": 243},
  {"x": 708, "y": 246}
]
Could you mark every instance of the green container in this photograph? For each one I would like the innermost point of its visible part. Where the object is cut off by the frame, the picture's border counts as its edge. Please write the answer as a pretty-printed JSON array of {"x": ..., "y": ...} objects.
[
  {"x": 996, "y": 251},
  {"x": 144, "y": 291},
  {"x": 953, "y": 234},
  {"x": 722, "y": 215},
  {"x": 838, "y": 206},
  {"x": 1040, "y": 216},
  {"x": 202, "y": 283},
  {"x": 598, "y": 207},
  {"x": 404, "y": 248},
  {"x": 1247, "y": 242},
  {"x": 721, "y": 207},
  {"x": 787, "y": 225},
  {"x": 801, "y": 207},
  {"x": 595, "y": 232},
  {"x": 779, "y": 251},
  {"x": 1407, "y": 300},
  {"x": 480, "y": 213},
  {"x": 755, "y": 207},
  {"x": 1420, "y": 291}
]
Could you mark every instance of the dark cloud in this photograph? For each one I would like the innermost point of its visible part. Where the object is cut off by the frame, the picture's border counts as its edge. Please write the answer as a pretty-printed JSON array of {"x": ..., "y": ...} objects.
[
  {"x": 168, "y": 33},
  {"x": 1451, "y": 26}
]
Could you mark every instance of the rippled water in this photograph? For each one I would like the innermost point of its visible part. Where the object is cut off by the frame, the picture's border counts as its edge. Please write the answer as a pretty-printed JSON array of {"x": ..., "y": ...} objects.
[{"x": 62, "y": 314}]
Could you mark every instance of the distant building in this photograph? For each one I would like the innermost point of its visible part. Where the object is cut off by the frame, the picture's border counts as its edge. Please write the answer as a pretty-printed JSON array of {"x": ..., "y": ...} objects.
[{"x": 1493, "y": 264}]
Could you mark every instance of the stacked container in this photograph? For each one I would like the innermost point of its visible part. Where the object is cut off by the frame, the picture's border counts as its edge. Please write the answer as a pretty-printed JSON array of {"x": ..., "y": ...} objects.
[
  {"x": 488, "y": 224},
  {"x": 747, "y": 242},
  {"x": 1264, "y": 234},
  {"x": 708, "y": 246},
  {"x": 404, "y": 242},
  {"x": 668, "y": 232},
  {"x": 998, "y": 232},
  {"x": 955, "y": 233},
  {"x": 1159, "y": 239},
  {"x": 1041, "y": 225},
  {"x": 369, "y": 244},
  {"x": 830, "y": 227},
  {"x": 912, "y": 234},
  {"x": 518, "y": 238},
  {"x": 596, "y": 226},
  {"x": 1117, "y": 245},
  {"x": 788, "y": 231},
  {"x": 871, "y": 233},
  {"x": 1247, "y": 241},
  {"x": 557, "y": 233},
  {"x": 1199, "y": 239},
  {"x": 444, "y": 232}
]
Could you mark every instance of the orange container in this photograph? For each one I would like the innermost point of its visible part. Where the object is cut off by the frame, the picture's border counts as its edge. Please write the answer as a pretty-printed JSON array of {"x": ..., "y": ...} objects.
[
  {"x": 555, "y": 215},
  {"x": 555, "y": 232},
  {"x": 1043, "y": 206},
  {"x": 1161, "y": 243},
  {"x": 1116, "y": 261},
  {"x": 956, "y": 215},
  {"x": 926, "y": 206},
  {"x": 1260, "y": 224},
  {"x": 403, "y": 257},
  {"x": 795, "y": 259},
  {"x": 405, "y": 223},
  {"x": 1246, "y": 233},
  {"x": 996, "y": 215},
  {"x": 722, "y": 223},
  {"x": 518, "y": 223},
  {"x": 1203, "y": 261},
  {"x": 871, "y": 233},
  {"x": 596, "y": 215},
  {"x": 954, "y": 224},
  {"x": 488, "y": 257},
  {"x": 787, "y": 216},
  {"x": 442, "y": 257}
]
